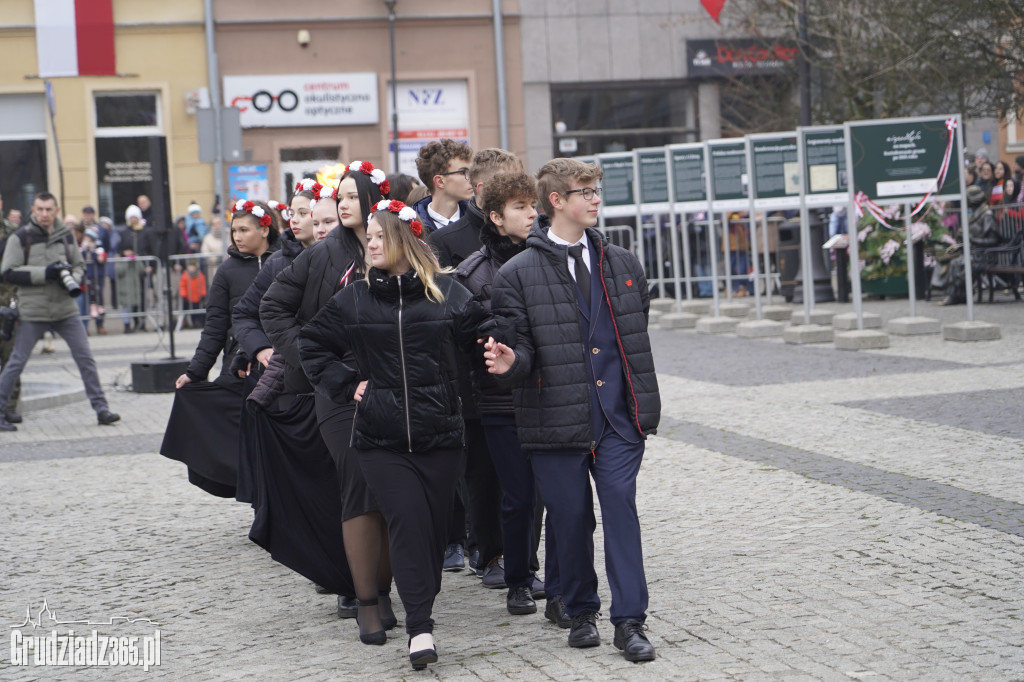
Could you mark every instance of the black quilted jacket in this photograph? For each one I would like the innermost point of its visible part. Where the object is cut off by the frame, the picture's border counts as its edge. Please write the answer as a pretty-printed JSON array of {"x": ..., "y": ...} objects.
[
  {"x": 549, "y": 376},
  {"x": 404, "y": 345}
]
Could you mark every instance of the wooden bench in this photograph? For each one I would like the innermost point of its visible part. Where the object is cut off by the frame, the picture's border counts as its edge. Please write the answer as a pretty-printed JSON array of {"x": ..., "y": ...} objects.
[{"x": 1007, "y": 259}]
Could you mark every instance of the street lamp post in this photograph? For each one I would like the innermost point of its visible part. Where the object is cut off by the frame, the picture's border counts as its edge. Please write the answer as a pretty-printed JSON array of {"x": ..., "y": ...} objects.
[{"x": 390, "y": 4}]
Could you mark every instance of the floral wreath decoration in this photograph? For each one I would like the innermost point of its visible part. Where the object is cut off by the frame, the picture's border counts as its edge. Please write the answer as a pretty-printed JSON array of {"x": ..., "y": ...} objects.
[
  {"x": 404, "y": 213},
  {"x": 322, "y": 192},
  {"x": 243, "y": 206},
  {"x": 305, "y": 185},
  {"x": 280, "y": 208},
  {"x": 376, "y": 175}
]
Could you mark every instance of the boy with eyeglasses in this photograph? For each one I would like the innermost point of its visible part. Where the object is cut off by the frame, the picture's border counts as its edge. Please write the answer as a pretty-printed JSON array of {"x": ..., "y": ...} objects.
[
  {"x": 585, "y": 394},
  {"x": 444, "y": 169}
]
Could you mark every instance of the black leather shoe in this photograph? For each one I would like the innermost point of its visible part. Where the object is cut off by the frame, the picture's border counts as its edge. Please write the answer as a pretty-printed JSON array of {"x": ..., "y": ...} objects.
[
  {"x": 348, "y": 607},
  {"x": 11, "y": 415},
  {"x": 6, "y": 425},
  {"x": 106, "y": 417},
  {"x": 554, "y": 611},
  {"x": 584, "y": 631},
  {"x": 519, "y": 602},
  {"x": 632, "y": 642},
  {"x": 377, "y": 637}
]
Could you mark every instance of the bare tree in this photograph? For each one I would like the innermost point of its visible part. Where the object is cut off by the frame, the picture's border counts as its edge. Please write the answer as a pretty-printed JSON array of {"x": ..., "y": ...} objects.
[{"x": 884, "y": 58}]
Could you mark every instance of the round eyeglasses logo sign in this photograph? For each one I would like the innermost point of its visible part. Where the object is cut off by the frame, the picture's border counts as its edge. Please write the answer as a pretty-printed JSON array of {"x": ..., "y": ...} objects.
[{"x": 303, "y": 100}]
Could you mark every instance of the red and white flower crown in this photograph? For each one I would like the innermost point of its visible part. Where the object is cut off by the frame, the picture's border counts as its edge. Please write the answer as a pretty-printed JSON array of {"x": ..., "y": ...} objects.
[
  {"x": 378, "y": 176},
  {"x": 305, "y": 185},
  {"x": 404, "y": 213},
  {"x": 322, "y": 192},
  {"x": 243, "y": 206},
  {"x": 277, "y": 206}
]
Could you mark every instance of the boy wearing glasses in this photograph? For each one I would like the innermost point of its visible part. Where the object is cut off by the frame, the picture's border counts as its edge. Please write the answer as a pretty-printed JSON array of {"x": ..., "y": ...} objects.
[
  {"x": 585, "y": 394},
  {"x": 444, "y": 169}
]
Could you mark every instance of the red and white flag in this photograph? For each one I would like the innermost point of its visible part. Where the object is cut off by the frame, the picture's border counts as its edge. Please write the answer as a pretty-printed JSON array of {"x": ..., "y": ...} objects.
[
  {"x": 714, "y": 7},
  {"x": 75, "y": 38}
]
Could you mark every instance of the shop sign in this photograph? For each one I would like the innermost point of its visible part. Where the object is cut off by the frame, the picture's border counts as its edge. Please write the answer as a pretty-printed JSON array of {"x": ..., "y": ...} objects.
[
  {"x": 730, "y": 58},
  {"x": 427, "y": 111},
  {"x": 324, "y": 99}
]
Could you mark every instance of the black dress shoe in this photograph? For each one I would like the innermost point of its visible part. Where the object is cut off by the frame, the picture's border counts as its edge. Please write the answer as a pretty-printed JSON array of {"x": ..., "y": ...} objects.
[
  {"x": 584, "y": 631},
  {"x": 106, "y": 417},
  {"x": 555, "y": 612},
  {"x": 365, "y": 636},
  {"x": 519, "y": 602},
  {"x": 348, "y": 607},
  {"x": 632, "y": 642},
  {"x": 11, "y": 415},
  {"x": 6, "y": 425}
]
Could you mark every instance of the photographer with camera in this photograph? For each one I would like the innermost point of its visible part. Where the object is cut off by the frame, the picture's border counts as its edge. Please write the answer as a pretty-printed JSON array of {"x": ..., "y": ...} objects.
[{"x": 42, "y": 260}]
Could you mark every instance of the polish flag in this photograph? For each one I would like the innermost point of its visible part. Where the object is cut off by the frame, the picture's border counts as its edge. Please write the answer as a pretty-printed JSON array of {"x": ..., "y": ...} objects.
[
  {"x": 714, "y": 7},
  {"x": 75, "y": 38}
]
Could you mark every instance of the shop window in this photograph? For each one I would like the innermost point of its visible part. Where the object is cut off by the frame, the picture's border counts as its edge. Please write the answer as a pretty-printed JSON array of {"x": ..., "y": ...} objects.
[
  {"x": 121, "y": 113},
  {"x": 23, "y": 120},
  {"x": 606, "y": 117}
]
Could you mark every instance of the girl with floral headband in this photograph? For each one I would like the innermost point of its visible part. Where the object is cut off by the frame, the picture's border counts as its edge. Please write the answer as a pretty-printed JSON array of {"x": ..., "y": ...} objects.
[
  {"x": 388, "y": 342},
  {"x": 213, "y": 409},
  {"x": 299, "y": 292}
]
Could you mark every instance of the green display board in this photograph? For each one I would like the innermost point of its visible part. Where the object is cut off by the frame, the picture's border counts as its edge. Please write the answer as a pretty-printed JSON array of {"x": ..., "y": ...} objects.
[
  {"x": 776, "y": 169},
  {"x": 825, "y": 160},
  {"x": 618, "y": 179},
  {"x": 653, "y": 175},
  {"x": 688, "y": 173},
  {"x": 899, "y": 159},
  {"x": 728, "y": 166}
]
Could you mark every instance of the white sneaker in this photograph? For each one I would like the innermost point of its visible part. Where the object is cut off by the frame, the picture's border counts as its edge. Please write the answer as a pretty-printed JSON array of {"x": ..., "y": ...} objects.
[{"x": 422, "y": 651}]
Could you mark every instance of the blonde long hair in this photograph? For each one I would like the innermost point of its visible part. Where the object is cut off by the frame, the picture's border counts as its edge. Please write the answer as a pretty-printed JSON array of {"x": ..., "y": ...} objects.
[{"x": 398, "y": 240}]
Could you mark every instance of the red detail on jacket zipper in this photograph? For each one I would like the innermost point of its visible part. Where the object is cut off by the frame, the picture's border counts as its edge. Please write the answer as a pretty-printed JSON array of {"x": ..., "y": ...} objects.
[{"x": 618, "y": 339}]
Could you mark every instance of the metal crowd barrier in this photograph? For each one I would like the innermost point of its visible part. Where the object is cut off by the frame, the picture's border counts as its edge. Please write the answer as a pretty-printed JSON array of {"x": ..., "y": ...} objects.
[
  {"x": 187, "y": 312},
  {"x": 125, "y": 289}
]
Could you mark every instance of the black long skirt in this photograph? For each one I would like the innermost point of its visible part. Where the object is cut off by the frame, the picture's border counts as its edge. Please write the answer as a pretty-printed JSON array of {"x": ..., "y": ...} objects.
[
  {"x": 202, "y": 432},
  {"x": 336, "y": 429},
  {"x": 298, "y": 510},
  {"x": 247, "y": 465}
]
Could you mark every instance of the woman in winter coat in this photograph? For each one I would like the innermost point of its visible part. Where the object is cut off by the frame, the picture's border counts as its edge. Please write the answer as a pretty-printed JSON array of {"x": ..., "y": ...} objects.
[
  {"x": 300, "y": 291},
  {"x": 389, "y": 343},
  {"x": 202, "y": 430}
]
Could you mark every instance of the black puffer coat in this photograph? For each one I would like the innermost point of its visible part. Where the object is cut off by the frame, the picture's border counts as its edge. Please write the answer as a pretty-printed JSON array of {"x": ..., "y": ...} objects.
[
  {"x": 457, "y": 241},
  {"x": 245, "y": 315},
  {"x": 477, "y": 273},
  {"x": 233, "y": 277},
  {"x": 549, "y": 376},
  {"x": 298, "y": 293},
  {"x": 404, "y": 345}
]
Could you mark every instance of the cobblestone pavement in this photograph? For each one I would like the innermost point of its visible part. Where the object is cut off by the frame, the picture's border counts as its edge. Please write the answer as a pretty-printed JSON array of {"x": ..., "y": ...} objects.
[{"x": 809, "y": 514}]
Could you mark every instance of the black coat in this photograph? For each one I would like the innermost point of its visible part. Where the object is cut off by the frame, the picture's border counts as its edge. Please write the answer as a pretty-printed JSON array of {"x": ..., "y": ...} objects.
[
  {"x": 245, "y": 315},
  {"x": 298, "y": 293},
  {"x": 424, "y": 215},
  {"x": 477, "y": 273},
  {"x": 456, "y": 242},
  {"x": 549, "y": 376},
  {"x": 404, "y": 345},
  {"x": 233, "y": 277}
]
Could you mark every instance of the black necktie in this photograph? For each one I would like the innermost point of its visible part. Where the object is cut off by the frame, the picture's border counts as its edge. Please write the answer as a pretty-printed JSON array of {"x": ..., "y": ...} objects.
[{"x": 582, "y": 273}]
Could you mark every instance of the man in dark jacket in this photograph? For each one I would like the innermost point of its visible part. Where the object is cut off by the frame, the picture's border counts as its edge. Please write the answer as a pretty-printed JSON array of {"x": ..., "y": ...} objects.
[
  {"x": 586, "y": 394},
  {"x": 444, "y": 169},
  {"x": 482, "y": 491}
]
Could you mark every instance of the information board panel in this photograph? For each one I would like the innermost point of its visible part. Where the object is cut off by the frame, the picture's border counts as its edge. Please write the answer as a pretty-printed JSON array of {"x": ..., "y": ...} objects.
[
  {"x": 688, "y": 181},
  {"x": 776, "y": 170},
  {"x": 900, "y": 159},
  {"x": 728, "y": 161},
  {"x": 618, "y": 196},
  {"x": 653, "y": 175},
  {"x": 825, "y": 165}
]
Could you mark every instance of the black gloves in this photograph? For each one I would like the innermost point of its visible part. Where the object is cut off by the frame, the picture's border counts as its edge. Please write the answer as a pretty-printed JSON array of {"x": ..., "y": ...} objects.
[
  {"x": 53, "y": 270},
  {"x": 503, "y": 330}
]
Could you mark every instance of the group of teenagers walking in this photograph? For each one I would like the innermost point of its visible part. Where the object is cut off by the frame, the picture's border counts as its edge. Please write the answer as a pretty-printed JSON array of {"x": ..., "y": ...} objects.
[{"x": 366, "y": 346}]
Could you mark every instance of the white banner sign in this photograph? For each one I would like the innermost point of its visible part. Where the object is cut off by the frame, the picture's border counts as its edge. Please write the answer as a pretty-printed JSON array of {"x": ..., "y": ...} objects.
[
  {"x": 319, "y": 99},
  {"x": 428, "y": 110}
]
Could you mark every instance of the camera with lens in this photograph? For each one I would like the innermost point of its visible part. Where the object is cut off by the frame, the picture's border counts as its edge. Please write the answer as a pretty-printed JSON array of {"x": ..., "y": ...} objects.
[
  {"x": 68, "y": 280},
  {"x": 8, "y": 316}
]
